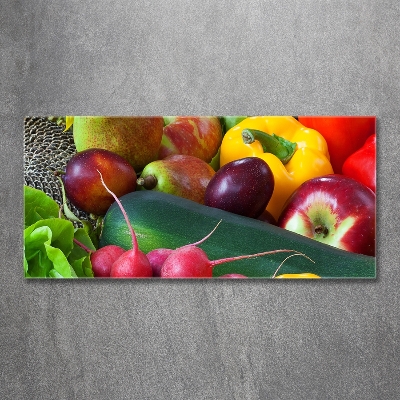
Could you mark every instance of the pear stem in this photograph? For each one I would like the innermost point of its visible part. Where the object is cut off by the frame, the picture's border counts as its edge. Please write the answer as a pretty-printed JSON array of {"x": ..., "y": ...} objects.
[{"x": 148, "y": 182}]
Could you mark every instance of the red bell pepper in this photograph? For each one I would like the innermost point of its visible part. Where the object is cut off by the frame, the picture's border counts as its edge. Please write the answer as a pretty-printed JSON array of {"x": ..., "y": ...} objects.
[
  {"x": 343, "y": 134},
  {"x": 361, "y": 165}
]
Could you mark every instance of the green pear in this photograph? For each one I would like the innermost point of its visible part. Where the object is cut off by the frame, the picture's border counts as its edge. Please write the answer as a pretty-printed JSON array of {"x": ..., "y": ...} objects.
[
  {"x": 181, "y": 175},
  {"x": 137, "y": 139}
]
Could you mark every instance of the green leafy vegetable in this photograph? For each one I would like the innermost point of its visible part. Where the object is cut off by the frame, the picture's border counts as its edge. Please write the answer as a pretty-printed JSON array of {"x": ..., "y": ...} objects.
[
  {"x": 78, "y": 257},
  {"x": 49, "y": 248},
  {"x": 38, "y": 206}
]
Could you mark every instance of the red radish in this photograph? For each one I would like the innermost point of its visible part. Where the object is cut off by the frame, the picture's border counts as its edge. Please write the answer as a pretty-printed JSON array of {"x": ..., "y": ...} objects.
[
  {"x": 102, "y": 259},
  {"x": 157, "y": 258},
  {"x": 132, "y": 263},
  {"x": 192, "y": 262},
  {"x": 233, "y": 276}
]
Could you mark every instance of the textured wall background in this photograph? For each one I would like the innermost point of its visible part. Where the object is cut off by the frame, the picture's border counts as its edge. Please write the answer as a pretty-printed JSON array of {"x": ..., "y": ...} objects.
[{"x": 199, "y": 340}]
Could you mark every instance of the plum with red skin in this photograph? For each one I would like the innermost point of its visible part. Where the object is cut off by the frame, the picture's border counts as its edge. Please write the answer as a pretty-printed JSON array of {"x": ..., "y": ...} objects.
[
  {"x": 82, "y": 182},
  {"x": 242, "y": 187},
  {"x": 335, "y": 210}
]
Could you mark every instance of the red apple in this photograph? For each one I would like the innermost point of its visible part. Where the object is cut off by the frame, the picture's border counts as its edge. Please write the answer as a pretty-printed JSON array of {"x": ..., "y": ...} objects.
[
  {"x": 194, "y": 136},
  {"x": 335, "y": 210}
]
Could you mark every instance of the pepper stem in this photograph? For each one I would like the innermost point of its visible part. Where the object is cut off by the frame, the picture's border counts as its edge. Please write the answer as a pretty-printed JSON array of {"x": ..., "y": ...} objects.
[{"x": 274, "y": 144}]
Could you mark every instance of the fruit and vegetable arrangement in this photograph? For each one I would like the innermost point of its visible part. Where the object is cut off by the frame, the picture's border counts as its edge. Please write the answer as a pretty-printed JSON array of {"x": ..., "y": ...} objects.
[{"x": 227, "y": 197}]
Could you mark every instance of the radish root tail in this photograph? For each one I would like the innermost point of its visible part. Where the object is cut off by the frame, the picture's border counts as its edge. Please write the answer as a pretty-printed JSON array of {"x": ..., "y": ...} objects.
[
  {"x": 204, "y": 239},
  {"x": 82, "y": 246},
  {"x": 134, "y": 239},
  {"x": 292, "y": 255},
  {"x": 224, "y": 260}
]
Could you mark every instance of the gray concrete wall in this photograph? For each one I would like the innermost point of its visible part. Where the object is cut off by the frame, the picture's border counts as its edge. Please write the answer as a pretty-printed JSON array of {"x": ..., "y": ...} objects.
[{"x": 199, "y": 340}]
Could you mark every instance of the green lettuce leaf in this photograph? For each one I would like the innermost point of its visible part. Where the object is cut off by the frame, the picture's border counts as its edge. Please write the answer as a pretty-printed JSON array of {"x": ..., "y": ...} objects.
[
  {"x": 83, "y": 267},
  {"x": 38, "y": 206},
  {"x": 37, "y": 263},
  {"x": 49, "y": 247},
  {"x": 47, "y": 243},
  {"x": 61, "y": 265},
  {"x": 79, "y": 258}
]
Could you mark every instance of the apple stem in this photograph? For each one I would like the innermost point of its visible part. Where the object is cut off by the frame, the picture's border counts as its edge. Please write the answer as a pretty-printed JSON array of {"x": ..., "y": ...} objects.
[
  {"x": 321, "y": 230},
  {"x": 148, "y": 182}
]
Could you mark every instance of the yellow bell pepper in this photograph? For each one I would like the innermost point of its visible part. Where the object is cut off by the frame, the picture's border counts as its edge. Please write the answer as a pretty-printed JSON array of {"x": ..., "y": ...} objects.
[
  {"x": 305, "y": 153},
  {"x": 304, "y": 275}
]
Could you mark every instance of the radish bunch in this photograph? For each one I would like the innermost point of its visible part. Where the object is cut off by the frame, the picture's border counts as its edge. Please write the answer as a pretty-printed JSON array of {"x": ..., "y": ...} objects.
[{"x": 188, "y": 261}]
